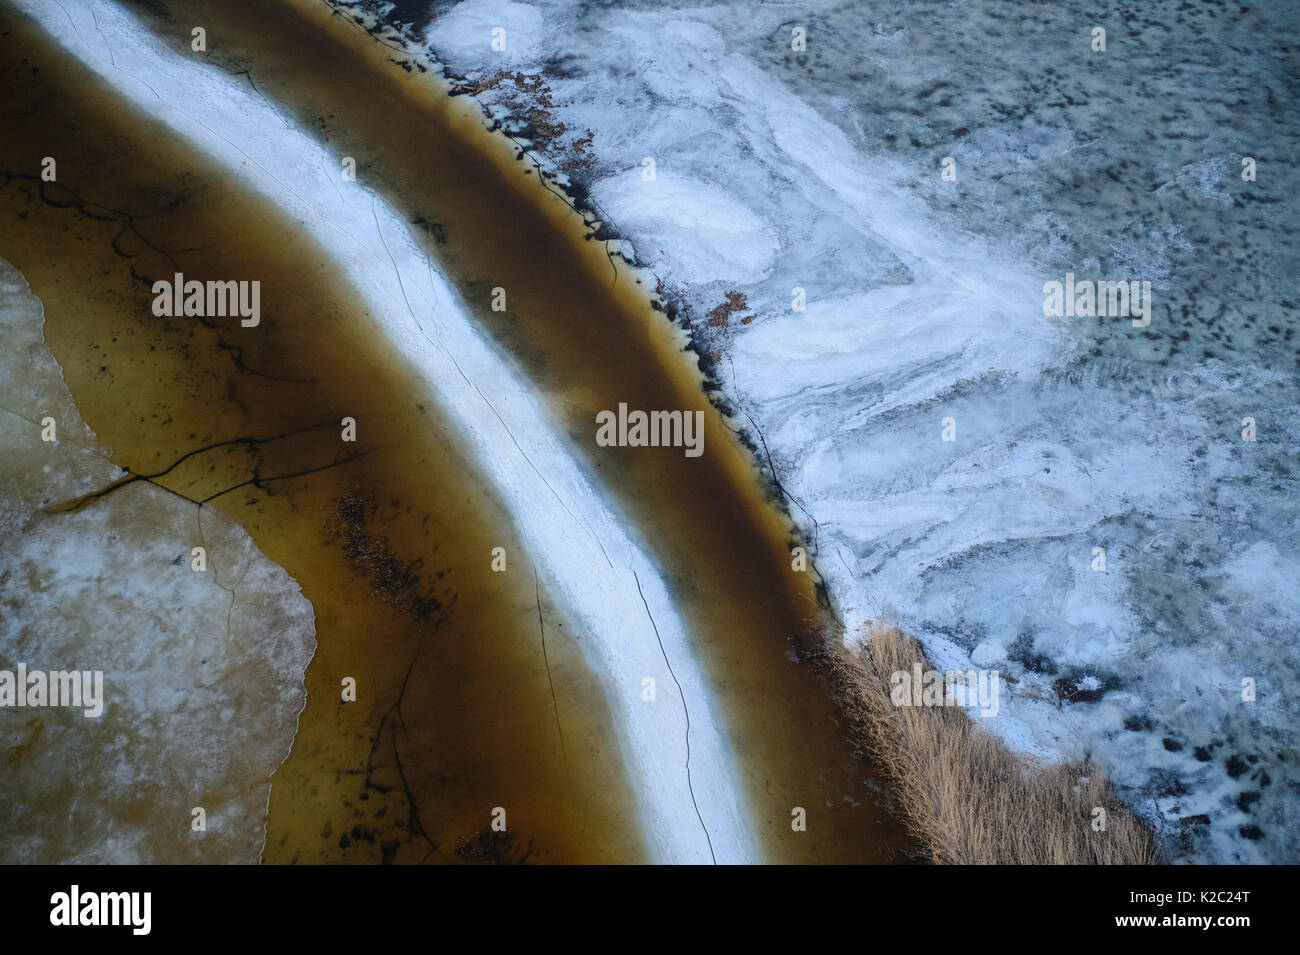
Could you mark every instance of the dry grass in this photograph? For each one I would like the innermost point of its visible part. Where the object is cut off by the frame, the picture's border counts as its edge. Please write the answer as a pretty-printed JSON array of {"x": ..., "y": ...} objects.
[{"x": 965, "y": 795}]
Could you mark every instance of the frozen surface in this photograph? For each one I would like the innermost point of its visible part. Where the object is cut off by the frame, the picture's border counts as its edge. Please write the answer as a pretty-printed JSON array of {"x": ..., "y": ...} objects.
[
  {"x": 598, "y": 575},
  {"x": 777, "y": 169},
  {"x": 203, "y": 672}
]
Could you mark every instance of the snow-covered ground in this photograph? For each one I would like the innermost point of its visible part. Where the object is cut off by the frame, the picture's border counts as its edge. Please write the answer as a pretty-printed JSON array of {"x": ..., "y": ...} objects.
[
  {"x": 567, "y": 526},
  {"x": 776, "y": 170}
]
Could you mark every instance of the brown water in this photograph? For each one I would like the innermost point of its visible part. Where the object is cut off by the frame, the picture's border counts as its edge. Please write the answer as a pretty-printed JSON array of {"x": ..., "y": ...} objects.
[
  {"x": 392, "y": 548},
  {"x": 477, "y": 727}
]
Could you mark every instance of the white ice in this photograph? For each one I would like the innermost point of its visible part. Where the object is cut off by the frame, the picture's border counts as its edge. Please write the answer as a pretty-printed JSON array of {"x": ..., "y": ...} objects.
[{"x": 570, "y": 529}]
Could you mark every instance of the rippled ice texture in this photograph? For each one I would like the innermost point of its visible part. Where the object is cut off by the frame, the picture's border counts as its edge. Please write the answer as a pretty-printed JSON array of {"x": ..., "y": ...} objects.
[{"x": 776, "y": 169}]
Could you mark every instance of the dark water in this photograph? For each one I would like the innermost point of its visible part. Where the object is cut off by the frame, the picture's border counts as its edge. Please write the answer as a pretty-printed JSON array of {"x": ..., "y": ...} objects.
[
  {"x": 390, "y": 547},
  {"x": 1123, "y": 165},
  {"x": 454, "y": 713}
]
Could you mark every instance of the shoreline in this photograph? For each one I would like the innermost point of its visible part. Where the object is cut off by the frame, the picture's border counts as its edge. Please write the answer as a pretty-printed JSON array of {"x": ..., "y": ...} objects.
[
  {"x": 721, "y": 794},
  {"x": 386, "y": 548},
  {"x": 746, "y": 629}
]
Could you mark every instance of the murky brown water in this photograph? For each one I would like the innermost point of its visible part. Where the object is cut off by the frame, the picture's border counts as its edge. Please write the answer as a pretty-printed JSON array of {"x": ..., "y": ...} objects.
[
  {"x": 476, "y": 726},
  {"x": 392, "y": 548}
]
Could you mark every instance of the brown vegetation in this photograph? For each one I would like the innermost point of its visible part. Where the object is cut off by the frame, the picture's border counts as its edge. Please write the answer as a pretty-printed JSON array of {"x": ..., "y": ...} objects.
[{"x": 965, "y": 795}]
